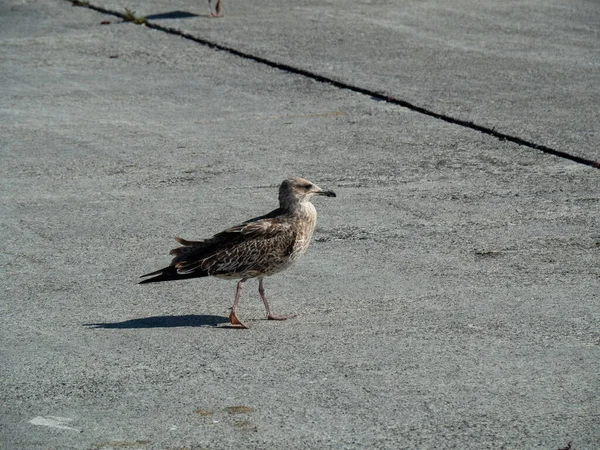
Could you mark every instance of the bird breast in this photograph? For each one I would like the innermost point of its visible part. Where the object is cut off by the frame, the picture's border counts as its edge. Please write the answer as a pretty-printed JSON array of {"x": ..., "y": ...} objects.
[{"x": 307, "y": 220}]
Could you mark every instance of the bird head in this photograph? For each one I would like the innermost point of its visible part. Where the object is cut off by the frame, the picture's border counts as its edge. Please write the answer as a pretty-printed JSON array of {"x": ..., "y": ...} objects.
[{"x": 299, "y": 190}]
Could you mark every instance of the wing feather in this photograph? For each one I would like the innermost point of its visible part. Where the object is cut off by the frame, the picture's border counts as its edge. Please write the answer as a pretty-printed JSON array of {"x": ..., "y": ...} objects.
[{"x": 250, "y": 246}]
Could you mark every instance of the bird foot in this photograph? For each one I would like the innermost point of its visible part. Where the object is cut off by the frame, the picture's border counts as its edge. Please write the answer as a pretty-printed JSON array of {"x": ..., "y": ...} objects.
[
  {"x": 233, "y": 319},
  {"x": 277, "y": 317},
  {"x": 212, "y": 14}
]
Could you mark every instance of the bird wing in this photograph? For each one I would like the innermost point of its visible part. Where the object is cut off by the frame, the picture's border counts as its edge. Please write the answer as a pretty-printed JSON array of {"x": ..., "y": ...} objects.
[{"x": 250, "y": 246}]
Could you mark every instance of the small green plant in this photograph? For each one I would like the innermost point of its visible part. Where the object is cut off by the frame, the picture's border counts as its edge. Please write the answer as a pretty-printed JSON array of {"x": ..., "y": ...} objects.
[{"x": 131, "y": 17}]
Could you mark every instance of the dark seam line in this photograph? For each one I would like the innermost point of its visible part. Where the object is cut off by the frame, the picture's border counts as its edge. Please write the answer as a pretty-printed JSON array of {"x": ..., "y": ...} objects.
[{"x": 373, "y": 94}]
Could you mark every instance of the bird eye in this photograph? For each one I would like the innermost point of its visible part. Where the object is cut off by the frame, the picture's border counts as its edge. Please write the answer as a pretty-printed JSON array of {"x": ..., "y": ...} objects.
[{"x": 307, "y": 186}]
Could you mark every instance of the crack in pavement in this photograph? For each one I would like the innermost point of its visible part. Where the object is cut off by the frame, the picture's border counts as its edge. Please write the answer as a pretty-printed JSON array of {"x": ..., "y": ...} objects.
[{"x": 379, "y": 96}]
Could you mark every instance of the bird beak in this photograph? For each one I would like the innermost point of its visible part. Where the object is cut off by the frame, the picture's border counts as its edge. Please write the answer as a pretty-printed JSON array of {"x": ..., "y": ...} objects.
[{"x": 326, "y": 193}]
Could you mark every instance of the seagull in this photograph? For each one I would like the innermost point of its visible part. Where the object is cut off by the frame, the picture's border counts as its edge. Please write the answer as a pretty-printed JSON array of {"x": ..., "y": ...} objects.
[
  {"x": 217, "y": 12},
  {"x": 257, "y": 248}
]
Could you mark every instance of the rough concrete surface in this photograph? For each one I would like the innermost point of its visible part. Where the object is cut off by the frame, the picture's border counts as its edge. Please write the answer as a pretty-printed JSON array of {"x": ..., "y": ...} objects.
[{"x": 451, "y": 295}]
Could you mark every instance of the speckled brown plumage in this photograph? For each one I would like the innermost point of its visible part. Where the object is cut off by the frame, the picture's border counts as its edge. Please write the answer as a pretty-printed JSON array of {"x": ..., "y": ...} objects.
[{"x": 257, "y": 248}]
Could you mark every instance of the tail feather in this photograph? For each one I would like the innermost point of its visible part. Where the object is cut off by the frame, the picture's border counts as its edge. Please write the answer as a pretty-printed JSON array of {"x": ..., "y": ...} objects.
[
  {"x": 189, "y": 249},
  {"x": 170, "y": 274},
  {"x": 158, "y": 272},
  {"x": 186, "y": 242}
]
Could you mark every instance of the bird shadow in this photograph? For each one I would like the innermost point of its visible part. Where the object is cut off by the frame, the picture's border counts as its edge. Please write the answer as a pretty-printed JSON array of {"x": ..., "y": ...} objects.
[
  {"x": 190, "y": 320},
  {"x": 172, "y": 15}
]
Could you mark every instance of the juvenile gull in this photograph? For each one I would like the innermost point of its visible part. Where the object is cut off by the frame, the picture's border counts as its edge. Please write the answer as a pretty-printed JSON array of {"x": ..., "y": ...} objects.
[{"x": 257, "y": 248}]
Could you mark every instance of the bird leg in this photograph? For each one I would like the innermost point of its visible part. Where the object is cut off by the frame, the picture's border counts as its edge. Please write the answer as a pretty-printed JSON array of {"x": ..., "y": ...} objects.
[
  {"x": 233, "y": 318},
  {"x": 270, "y": 315},
  {"x": 217, "y": 12}
]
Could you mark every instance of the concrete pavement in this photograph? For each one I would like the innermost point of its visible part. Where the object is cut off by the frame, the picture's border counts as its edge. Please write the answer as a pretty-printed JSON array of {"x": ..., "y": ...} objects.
[{"x": 449, "y": 300}]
